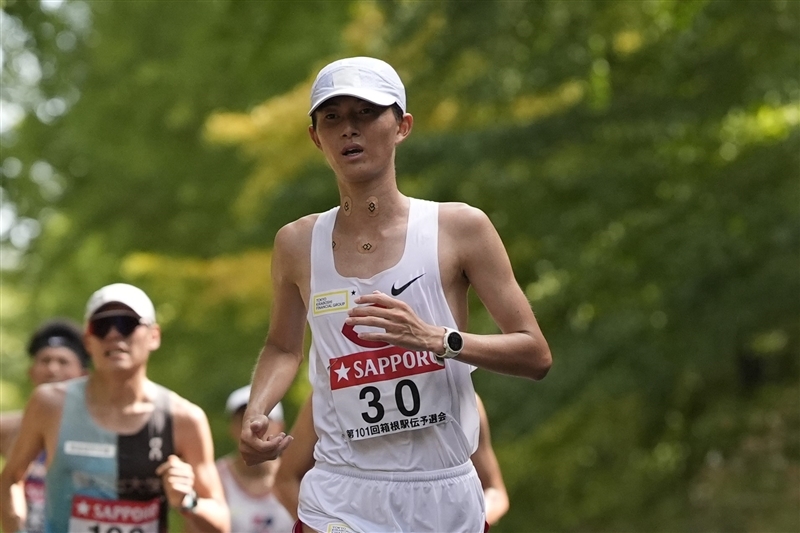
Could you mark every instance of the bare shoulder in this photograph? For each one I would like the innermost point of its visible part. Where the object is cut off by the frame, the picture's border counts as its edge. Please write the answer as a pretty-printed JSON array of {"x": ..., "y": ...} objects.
[
  {"x": 291, "y": 255},
  {"x": 48, "y": 396},
  {"x": 295, "y": 236},
  {"x": 38, "y": 430},
  {"x": 186, "y": 413},
  {"x": 466, "y": 232},
  {"x": 44, "y": 407},
  {"x": 460, "y": 219},
  {"x": 192, "y": 432}
]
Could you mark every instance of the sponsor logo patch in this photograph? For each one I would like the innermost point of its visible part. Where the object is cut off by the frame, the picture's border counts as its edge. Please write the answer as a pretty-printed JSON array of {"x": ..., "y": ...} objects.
[
  {"x": 331, "y": 302},
  {"x": 90, "y": 449}
]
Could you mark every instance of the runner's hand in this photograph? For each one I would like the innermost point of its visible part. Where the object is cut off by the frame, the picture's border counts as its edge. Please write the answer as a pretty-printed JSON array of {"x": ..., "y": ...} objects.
[
  {"x": 401, "y": 325},
  {"x": 177, "y": 478},
  {"x": 256, "y": 446}
]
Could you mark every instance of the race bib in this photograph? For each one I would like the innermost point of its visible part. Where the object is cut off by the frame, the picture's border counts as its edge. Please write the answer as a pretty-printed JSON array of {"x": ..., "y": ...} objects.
[
  {"x": 389, "y": 390},
  {"x": 35, "y": 494},
  {"x": 34, "y": 497},
  {"x": 90, "y": 515}
]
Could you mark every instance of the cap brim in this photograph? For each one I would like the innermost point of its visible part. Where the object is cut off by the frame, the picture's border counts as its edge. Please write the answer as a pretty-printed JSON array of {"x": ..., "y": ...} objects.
[
  {"x": 370, "y": 95},
  {"x": 114, "y": 312}
]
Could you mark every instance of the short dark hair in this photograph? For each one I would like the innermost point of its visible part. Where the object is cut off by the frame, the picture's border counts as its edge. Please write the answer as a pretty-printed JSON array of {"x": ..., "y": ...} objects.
[
  {"x": 59, "y": 332},
  {"x": 398, "y": 114}
]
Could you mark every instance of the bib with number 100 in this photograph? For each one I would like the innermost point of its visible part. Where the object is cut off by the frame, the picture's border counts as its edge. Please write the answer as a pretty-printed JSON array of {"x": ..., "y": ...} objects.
[{"x": 389, "y": 390}]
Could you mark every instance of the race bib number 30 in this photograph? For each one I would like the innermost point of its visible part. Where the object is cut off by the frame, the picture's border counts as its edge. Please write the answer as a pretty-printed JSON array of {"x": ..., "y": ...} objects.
[
  {"x": 90, "y": 515},
  {"x": 390, "y": 390}
]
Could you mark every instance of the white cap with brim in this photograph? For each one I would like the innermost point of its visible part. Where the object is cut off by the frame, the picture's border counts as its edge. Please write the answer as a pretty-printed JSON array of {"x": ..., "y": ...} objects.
[
  {"x": 241, "y": 396},
  {"x": 367, "y": 78},
  {"x": 124, "y": 294}
]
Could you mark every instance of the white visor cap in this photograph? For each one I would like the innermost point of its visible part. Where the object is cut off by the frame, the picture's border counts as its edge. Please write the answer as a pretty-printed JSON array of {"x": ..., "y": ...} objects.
[
  {"x": 367, "y": 78},
  {"x": 125, "y": 294},
  {"x": 241, "y": 396}
]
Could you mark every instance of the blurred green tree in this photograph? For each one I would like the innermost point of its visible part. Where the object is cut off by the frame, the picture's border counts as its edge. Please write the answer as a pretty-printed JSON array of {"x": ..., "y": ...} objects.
[
  {"x": 640, "y": 159},
  {"x": 122, "y": 178}
]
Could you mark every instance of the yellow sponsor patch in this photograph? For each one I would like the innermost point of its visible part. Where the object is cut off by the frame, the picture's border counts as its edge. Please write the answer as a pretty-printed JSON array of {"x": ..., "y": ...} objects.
[{"x": 331, "y": 302}]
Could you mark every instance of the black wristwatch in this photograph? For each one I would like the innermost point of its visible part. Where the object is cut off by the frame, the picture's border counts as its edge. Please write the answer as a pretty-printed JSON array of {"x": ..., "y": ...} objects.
[
  {"x": 189, "y": 502},
  {"x": 453, "y": 342}
]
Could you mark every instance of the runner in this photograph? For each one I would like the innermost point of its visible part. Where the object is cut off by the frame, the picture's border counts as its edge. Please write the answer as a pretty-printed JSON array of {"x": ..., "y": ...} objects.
[
  {"x": 382, "y": 281},
  {"x": 57, "y": 354},
  {"x": 120, "y": 448},
  {"x": 249, "y": 489}
]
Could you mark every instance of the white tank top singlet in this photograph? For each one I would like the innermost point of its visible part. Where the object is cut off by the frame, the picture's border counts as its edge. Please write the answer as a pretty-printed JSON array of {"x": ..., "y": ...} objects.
[
  {"x": 379, "y": 407},
  {"x": 252, "y": 514}
]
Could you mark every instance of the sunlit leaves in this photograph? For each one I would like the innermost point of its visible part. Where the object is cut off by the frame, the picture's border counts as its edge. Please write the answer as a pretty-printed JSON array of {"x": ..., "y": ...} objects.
[{"x": 274, "y": 135}]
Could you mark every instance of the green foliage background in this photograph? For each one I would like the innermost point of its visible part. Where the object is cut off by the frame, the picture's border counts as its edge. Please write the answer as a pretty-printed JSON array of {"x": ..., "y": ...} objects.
[{"x": 641, "y": 160}]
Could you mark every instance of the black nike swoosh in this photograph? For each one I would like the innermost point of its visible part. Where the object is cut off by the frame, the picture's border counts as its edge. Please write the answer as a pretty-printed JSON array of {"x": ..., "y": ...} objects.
[{"x": 397, "y": 291}]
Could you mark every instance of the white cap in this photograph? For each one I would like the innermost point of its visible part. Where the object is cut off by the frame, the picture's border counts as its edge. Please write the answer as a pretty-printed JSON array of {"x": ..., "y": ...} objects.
[
  {"x": 125, "y": 294},
  {"x": 241, "y": 396},
  {"x": 367, "y": 78}
]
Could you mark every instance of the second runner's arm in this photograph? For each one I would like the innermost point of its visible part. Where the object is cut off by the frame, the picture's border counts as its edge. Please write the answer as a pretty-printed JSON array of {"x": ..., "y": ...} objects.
[{"x": 296, "y": 460}]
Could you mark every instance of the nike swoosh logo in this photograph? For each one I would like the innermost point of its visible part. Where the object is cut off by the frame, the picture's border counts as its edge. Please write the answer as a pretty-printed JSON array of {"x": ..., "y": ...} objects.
[{"x": 397, "y": 291}]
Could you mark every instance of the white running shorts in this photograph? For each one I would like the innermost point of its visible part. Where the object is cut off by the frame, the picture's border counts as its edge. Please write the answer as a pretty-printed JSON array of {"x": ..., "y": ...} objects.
[{"x": 337, "y": 499}]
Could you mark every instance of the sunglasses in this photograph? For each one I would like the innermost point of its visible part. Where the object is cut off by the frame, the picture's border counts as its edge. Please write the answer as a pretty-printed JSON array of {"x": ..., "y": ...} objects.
[{"x": 124, "y": 324}]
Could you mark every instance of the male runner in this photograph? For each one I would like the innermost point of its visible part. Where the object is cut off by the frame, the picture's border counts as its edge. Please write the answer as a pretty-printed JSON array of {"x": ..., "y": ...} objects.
[
  {"x": 249, "y": 489},
  {"x": 120, "y": 448},
  {"x": 382, "y": 280},
  {"x": 57, "y": 354}
]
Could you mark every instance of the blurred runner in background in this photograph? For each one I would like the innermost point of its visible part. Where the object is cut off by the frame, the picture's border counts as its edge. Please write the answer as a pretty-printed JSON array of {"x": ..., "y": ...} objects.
[
  {"x": 249, "y": 489},
  {"x": 120, "y": 449},
  {"x": 57, "y": 354}
]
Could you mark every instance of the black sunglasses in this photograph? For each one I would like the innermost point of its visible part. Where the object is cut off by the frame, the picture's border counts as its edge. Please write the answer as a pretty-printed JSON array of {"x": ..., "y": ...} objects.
[{"x": 125, "y": 324}]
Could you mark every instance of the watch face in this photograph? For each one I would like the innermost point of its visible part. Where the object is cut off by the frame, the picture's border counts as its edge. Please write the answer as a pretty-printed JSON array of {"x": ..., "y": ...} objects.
[
  {"x": 454, "y": 341},
  {"x": 189, "y": 501}
]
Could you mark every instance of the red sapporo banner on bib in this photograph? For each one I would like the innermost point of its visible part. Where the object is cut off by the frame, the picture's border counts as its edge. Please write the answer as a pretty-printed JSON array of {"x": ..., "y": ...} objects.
[{"x": 387, "y": 363}]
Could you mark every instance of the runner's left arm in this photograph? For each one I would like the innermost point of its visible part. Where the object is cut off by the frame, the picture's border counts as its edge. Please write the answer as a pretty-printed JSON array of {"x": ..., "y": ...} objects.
[
  {"x": 193, "y": 469},
  {"x": 282, "y": 353},
  {"x": 296, "y": 460}
]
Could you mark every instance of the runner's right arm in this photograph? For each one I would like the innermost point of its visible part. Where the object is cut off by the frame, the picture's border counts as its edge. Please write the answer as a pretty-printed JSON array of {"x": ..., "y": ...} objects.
[{"x": 282, "y": 354}]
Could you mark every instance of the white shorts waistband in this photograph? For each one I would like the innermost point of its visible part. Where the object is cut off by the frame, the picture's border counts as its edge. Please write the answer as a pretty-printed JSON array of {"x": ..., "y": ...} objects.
[{"x": 410, "y": 477}]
